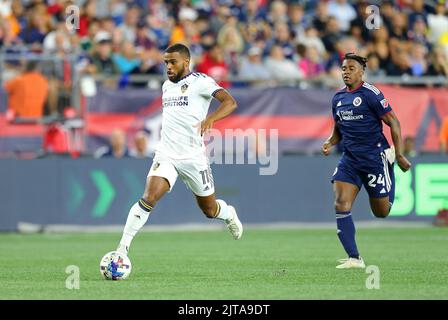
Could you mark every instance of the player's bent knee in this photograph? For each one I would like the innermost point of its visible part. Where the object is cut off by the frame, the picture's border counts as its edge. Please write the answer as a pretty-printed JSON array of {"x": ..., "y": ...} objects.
[
  {"x": 381, "y": 213},
  {"x": 342, "y": 206}
]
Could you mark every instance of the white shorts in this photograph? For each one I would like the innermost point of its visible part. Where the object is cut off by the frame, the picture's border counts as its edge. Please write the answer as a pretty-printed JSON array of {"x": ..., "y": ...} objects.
[{"x": 195, "y": 173}]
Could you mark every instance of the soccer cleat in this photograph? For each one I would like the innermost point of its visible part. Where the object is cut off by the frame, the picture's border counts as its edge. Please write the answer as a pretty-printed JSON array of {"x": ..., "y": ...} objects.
[
  {"x": 349, "y": 263},
  {"x": 234, "y": 224},
  {"x": 123, "y": 249},
  {"x": 390, "y": 154}
]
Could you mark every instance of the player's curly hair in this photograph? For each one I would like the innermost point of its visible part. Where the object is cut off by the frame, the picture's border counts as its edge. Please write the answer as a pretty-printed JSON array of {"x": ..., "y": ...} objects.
[
  {"x": 179, "y": 47},
  {"x": 361, "y": 60}
]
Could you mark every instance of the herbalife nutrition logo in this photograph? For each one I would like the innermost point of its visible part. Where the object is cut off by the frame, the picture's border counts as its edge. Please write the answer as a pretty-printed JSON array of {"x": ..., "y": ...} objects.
[{"x": 72, "y": 18}]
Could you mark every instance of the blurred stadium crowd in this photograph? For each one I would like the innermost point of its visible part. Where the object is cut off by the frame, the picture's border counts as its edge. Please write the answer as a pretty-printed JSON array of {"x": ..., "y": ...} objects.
[
  {"x": 237, "y": 42},
  {"x": 252, "y": 40}
]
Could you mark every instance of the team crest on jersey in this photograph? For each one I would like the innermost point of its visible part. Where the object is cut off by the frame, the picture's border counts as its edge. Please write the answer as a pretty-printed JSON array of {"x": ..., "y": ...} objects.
[
  {"x": 384, "y": 103},
  {"x": 357, "y": 101},
  {"x": 184, "y": 87}
]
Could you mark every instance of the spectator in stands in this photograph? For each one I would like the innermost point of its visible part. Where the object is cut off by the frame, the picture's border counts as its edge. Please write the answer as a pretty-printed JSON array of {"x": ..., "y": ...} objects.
[
  {"x": 7, "y": 36},
  {"x": 417, "y": 13},
  {"x": 358, "y": 28},
  {"x": 145, "y": 38},
  {"x": 401, "y": 64},
  {"x": 311, "y": 64},
  {"x": 126, "y": 60},
  {"x": 232, "y": 43},
  {"x": 419, "y": 64},
  {"x": 343, "y": 12},
  {"x": 387, "y": 12},
  {"x": 282, "y": 38},
  {"x": 252, "y": 12},
  {"x": 399, "y": 26},
  {"x": 129, "y": 27},
  {"x": 373, "y": 66},
  {"x": 185, "y": 25},
  {"x": 320, "y": 16},
  {"x": 57, "y": 42},
  {"x": 280, "y": 67},
  {"x": 36, "y": 29},
  {"x": 219, "y": 18},
  {"x": 252, "y": 67},
  {"x": 438, "y": 22},
  {"x": 117, "y": 146},
  {"x": 28, "y": 92},
  {"x": 278, "y": 12},
  {"x": 296, "y": 23},
  {"x": 418, "y": 32},
  {"x": 311, "y": 39},
  {"x": 141, "y": 149},
  {"x": 214, "y": 65},
  {"x": 380, "y": 47},
  {"x": 87, "y": 15},
  {"x": 331, "y": 35},
  {"x": 101, "y": 61},
  {"x": 438, "y": 64},
  {"x": 443, "y": 136}
]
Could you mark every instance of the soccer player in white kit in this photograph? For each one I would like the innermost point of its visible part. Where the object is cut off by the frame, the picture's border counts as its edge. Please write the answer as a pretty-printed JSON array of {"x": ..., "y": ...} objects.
[{"x": 186, "y": 98}]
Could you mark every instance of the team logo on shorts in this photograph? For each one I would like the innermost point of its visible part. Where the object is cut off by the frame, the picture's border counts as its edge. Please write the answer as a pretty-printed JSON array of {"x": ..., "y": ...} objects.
[
  {"x": 155, "y": 166},
  {"x": 184, "y": 88},
  {"x": 357, "y": 101}
]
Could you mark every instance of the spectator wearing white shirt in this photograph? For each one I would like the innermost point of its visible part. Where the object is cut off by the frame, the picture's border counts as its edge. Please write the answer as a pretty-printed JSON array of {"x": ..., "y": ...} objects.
[
  {"x": 438, "y": 23},
  {"x": 280, "y": 67},
  {"x": 343, "y": 12}
]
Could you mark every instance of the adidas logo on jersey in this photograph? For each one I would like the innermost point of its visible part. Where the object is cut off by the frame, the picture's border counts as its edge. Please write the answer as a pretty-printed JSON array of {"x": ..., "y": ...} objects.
[{"x": 339, "y": 104}]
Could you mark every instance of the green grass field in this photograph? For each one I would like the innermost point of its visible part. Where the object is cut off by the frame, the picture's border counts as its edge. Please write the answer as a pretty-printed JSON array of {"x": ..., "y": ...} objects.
[{"x": 265, "y": 264}]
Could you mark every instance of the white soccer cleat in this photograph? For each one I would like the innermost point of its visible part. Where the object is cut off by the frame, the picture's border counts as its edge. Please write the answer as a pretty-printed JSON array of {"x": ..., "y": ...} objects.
[
  {"x": 349, "y": 263},
  {"x": 390, "y": 154},
  {"x": 234, "y": 225},
  {"x": 123, "y": 249}
]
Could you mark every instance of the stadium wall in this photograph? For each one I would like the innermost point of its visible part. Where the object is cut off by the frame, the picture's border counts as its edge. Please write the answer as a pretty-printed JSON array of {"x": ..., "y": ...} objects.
[{"x": 100, "y": 192}]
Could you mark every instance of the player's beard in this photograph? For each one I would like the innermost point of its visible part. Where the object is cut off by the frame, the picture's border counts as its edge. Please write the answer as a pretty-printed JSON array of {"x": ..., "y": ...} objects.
[{"x": 178, "y": 76}]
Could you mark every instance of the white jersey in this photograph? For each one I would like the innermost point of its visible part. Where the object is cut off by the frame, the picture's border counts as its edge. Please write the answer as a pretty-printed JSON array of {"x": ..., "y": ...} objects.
[{"x": 185, "y": 106}]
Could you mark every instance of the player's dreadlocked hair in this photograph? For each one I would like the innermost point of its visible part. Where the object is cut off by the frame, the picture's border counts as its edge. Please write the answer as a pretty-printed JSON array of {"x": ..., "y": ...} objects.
[
  {"x": 179, "y": 47},
  {"x": 361, "y": 60}
]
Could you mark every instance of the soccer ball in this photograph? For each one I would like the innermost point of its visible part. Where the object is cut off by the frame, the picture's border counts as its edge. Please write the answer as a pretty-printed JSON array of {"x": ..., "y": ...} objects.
[{"x": 115, "y": 266}]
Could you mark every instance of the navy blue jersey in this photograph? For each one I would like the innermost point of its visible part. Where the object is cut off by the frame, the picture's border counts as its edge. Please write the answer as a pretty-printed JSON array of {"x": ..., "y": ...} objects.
[{"x": 357, "y": 114}]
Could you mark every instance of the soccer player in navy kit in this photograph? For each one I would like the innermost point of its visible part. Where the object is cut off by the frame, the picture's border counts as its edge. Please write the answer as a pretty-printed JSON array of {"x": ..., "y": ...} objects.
[{"x": 358, "y": 111}]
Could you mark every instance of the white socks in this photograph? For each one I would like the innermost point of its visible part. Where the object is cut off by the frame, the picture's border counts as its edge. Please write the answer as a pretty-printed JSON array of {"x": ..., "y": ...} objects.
[
  {"x": 224, "y": 212},
  {"x": 136, "y": 220}
]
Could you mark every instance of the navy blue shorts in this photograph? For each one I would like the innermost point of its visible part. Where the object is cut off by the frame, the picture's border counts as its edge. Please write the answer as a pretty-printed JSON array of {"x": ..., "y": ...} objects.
[{"x": 377, "y": 176}]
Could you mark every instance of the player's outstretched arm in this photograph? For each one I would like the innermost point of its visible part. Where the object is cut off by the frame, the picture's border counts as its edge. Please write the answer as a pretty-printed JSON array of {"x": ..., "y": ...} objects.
[
  {"x": 395, "y": 129},
  {"x": 331, "y": 141},
  {"x": 227, "y": 106}
]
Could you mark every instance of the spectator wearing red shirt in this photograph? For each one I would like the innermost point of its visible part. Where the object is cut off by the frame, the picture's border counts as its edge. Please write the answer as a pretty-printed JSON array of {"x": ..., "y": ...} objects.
[{"x": 214, "y": 65}]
